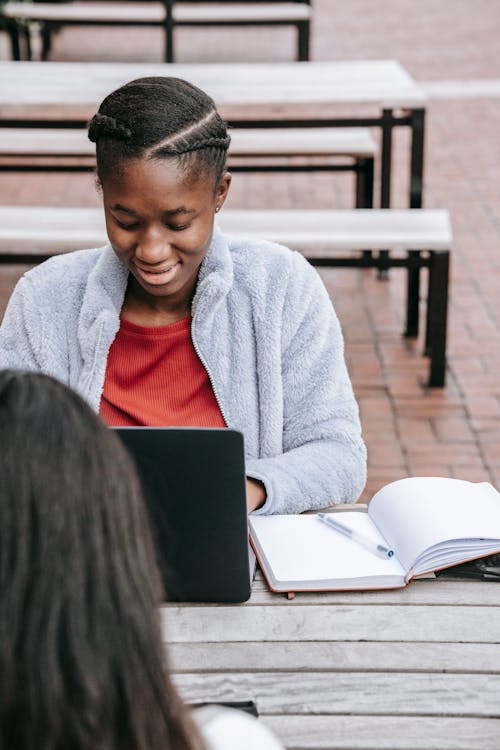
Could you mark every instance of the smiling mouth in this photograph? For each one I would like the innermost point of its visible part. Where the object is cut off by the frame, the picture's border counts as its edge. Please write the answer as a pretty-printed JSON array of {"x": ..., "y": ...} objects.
[{"x": 155, "y": 275}]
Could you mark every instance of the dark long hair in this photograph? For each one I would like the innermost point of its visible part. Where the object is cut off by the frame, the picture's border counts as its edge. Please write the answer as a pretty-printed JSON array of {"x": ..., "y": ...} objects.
[{"x": 82, "y": 665}]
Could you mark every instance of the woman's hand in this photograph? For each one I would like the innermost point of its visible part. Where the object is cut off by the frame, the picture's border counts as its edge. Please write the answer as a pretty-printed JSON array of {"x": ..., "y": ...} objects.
[{"x": 256, "y": 494}]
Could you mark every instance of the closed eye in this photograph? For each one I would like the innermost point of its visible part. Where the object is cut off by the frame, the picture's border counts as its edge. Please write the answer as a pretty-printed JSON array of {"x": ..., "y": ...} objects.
[
  {"x": 178, "y": 227},
  {"x": 128, "y": 227}
]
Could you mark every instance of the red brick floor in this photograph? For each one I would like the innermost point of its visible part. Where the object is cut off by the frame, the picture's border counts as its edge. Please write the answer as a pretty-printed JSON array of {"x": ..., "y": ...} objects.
[{"x": 408, "y": 430}]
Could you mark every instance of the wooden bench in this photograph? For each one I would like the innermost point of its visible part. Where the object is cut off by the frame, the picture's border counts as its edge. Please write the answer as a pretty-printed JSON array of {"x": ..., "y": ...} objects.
[
  {"x": 418, "y": 238},
  {"x": 168, "y": 14},
  {"x": 257, "y": 150},
  {"x": 359, "y": 93}
]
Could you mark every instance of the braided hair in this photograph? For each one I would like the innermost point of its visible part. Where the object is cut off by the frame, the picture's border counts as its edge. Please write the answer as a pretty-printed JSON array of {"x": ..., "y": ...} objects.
[{"x": 156, "y": 118}]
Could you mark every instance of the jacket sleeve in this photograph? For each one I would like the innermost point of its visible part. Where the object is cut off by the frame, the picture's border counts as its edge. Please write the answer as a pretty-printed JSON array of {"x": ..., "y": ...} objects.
[
  {"x": 324, "y": 457},
  {"x": 20, "y": 332}
]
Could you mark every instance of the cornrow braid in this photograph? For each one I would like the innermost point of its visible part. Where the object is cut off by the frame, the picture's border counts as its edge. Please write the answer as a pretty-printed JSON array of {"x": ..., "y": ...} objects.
[
  {"x": 160, "y": 117},
  {"x": 222, "y": 143},
  {"x": 104, "y": 126},
  {"x": 212, "y": 143}
]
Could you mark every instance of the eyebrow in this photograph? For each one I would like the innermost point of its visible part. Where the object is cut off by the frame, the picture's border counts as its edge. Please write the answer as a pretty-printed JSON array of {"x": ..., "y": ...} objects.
[{"x": 174, "y": 212}]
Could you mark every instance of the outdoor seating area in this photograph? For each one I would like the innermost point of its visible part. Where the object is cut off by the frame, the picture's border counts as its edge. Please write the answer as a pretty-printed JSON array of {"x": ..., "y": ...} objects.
[
  {"x": 167, "y": 14},
  {"x": 32, "y": 234},
  {"x": 366, "y": 139}
]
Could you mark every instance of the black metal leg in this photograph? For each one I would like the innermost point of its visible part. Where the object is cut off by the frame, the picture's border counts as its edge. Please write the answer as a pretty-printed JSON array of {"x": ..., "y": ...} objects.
[
  {"x": 13, "y": 32},
  {"x": 385, "y": 179},
  {"x": 364, "y": 188},
  {"x": 46, "y": 34},
  {"x": 303, "y": 34},
  {"x": 364, "y": 183},
  {"x": 387, "y": 124},
  {"x": 27, "y": 41},
  {"x": 416, "y": 184},
  {"x": 417, "y": 157},
  {"x": 169, "y": 31},
  {"x": 437, "y": 313},
  {"x": 412, "y": 298}
]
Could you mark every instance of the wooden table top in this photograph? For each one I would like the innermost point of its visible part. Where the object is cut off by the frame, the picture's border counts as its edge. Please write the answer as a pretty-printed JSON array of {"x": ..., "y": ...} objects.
[
  {"x": 154, "y": 12},
  {"x": 383, "y": 83},
  {"x": 410, "y": 669}
]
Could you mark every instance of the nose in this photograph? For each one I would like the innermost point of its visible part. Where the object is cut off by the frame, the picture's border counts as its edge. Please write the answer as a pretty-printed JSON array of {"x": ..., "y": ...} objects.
[{"x": 154, "y": 246}]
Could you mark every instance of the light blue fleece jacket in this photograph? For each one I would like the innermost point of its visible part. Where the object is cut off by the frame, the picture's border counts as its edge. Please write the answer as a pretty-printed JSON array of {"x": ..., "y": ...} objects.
[{"x": 264, "y": 328}]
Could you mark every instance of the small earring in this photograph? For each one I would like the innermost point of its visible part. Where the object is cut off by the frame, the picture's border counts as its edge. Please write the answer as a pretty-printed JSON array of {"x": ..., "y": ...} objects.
[{"x": 217, "y": 209}]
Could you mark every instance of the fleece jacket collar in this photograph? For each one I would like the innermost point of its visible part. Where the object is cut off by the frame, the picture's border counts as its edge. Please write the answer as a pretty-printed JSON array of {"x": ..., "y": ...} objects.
[{"x": 99, "y": 318}]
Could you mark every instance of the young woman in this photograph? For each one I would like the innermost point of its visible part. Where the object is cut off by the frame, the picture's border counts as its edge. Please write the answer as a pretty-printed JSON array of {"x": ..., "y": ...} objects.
[
  {"x": 174, "y": 323},
  {"x": 82, "y": 665}
]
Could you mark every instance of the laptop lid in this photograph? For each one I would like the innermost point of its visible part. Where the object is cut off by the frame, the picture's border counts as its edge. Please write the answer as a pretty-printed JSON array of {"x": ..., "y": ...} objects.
[{"x": 193, "y": 480}]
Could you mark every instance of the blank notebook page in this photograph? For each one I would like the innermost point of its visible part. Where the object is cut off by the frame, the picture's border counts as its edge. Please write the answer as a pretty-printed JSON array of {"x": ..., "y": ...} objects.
[
  {"x": 301, "y": 548},
  {"x": 440, "y": 509}
]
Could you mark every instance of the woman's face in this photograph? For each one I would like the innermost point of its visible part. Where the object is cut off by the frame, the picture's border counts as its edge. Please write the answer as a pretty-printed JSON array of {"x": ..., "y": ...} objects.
[{"x": 159, "y": 221}]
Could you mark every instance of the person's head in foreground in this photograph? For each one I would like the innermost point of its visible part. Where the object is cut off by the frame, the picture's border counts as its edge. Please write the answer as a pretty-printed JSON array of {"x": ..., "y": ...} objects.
[
  {"x": 161, "y": 151},
  {"x": 81, "y": 658},
  {"x": 82, "y": 664}
]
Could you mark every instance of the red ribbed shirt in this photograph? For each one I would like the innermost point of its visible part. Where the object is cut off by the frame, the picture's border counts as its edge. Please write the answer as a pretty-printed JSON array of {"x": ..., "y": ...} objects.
[{"x": 154, "y": 377}]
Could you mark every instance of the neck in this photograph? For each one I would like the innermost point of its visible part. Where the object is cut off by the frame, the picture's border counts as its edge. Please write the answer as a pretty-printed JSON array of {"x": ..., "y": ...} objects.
[{"x": 144, "y": 309}]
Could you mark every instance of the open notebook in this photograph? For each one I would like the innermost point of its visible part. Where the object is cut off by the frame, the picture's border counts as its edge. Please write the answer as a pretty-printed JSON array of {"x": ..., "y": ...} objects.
[{"x": 429, "y": 522}]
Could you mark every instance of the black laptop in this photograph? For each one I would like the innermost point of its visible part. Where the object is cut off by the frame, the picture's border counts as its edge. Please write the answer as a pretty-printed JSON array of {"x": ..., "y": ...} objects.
[{"x": 193, "y": 481}]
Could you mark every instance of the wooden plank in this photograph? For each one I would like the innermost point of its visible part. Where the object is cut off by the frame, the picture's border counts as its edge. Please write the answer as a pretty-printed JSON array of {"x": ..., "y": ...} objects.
[
  {"x": 149, "y": 12},
  {"x": 244, "y": 143},
  {"x": 376, "y": 229},
  {"x": 220, "y": 12},
  {"x": 458, "y": 592},
  {"x": 270, "y": 86},
  {"x": 60, "y": 229},
  {"x": 436, "y": 623},
  {"x": 154, "y": 12},
  {"x": 50, "y": 229},
  {"x": 300, "y": 141},
  {"x": 44, "y": 141},
  {"x": 384, "y": 733},
  {"x": 362, "y": 693},
  {"x": 335, "y": 656}
]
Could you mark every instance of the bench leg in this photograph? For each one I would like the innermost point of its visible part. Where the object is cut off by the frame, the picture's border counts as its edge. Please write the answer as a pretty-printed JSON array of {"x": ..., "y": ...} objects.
[
  {"x": 13, "y": 33},
  {"x": 385, "y": 177},
  {"x": 303, "y": 34},
  {"x": 437, "y": 313},
  {"x": 412, "y": 298},
  {"x": 386, "y": 158},
  {"x": 417, "y": 158},
  {"x": 416, "y": 171},
  {"x": 47, "y": 31},
  {"x": 169, "y": 32},
  {"x": 364, "y": 183},
  {"x": 27, "y": 41},
  {"x": 19, "y": 35},
  {"x": 364, "y": 188}
]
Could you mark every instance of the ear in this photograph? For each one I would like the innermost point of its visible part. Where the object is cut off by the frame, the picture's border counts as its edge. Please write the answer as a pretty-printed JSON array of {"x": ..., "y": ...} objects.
[{"x": 222, "y": 190}]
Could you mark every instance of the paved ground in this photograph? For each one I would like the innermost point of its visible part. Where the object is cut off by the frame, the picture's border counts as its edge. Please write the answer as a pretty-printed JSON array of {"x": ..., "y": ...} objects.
[{"x": 455, "y": 431}]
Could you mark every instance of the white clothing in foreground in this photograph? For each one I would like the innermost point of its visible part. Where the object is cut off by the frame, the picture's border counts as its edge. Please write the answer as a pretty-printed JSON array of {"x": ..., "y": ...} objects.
[{"x": 231, "y": 729}]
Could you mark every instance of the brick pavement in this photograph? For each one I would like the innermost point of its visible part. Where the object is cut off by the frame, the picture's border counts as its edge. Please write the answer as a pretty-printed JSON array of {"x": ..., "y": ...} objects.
[{"x": 455, "y": 431}]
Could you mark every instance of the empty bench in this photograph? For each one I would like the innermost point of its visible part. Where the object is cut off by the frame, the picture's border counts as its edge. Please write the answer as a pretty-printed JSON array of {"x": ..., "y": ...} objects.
[
  {"x": 418, "y": 238},
  {"x": 16, "y": 17},
  {"x": 252, "y": 150}
]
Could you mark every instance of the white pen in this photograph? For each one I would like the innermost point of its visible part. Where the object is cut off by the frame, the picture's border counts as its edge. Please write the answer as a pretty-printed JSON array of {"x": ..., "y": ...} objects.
[{"x": 364, "y": 541}]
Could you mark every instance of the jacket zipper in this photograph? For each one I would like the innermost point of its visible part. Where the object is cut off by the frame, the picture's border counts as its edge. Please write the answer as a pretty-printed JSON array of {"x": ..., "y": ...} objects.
[
  {"x": 87, "y": 384},
  {"x": 203, "y": 362}
]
